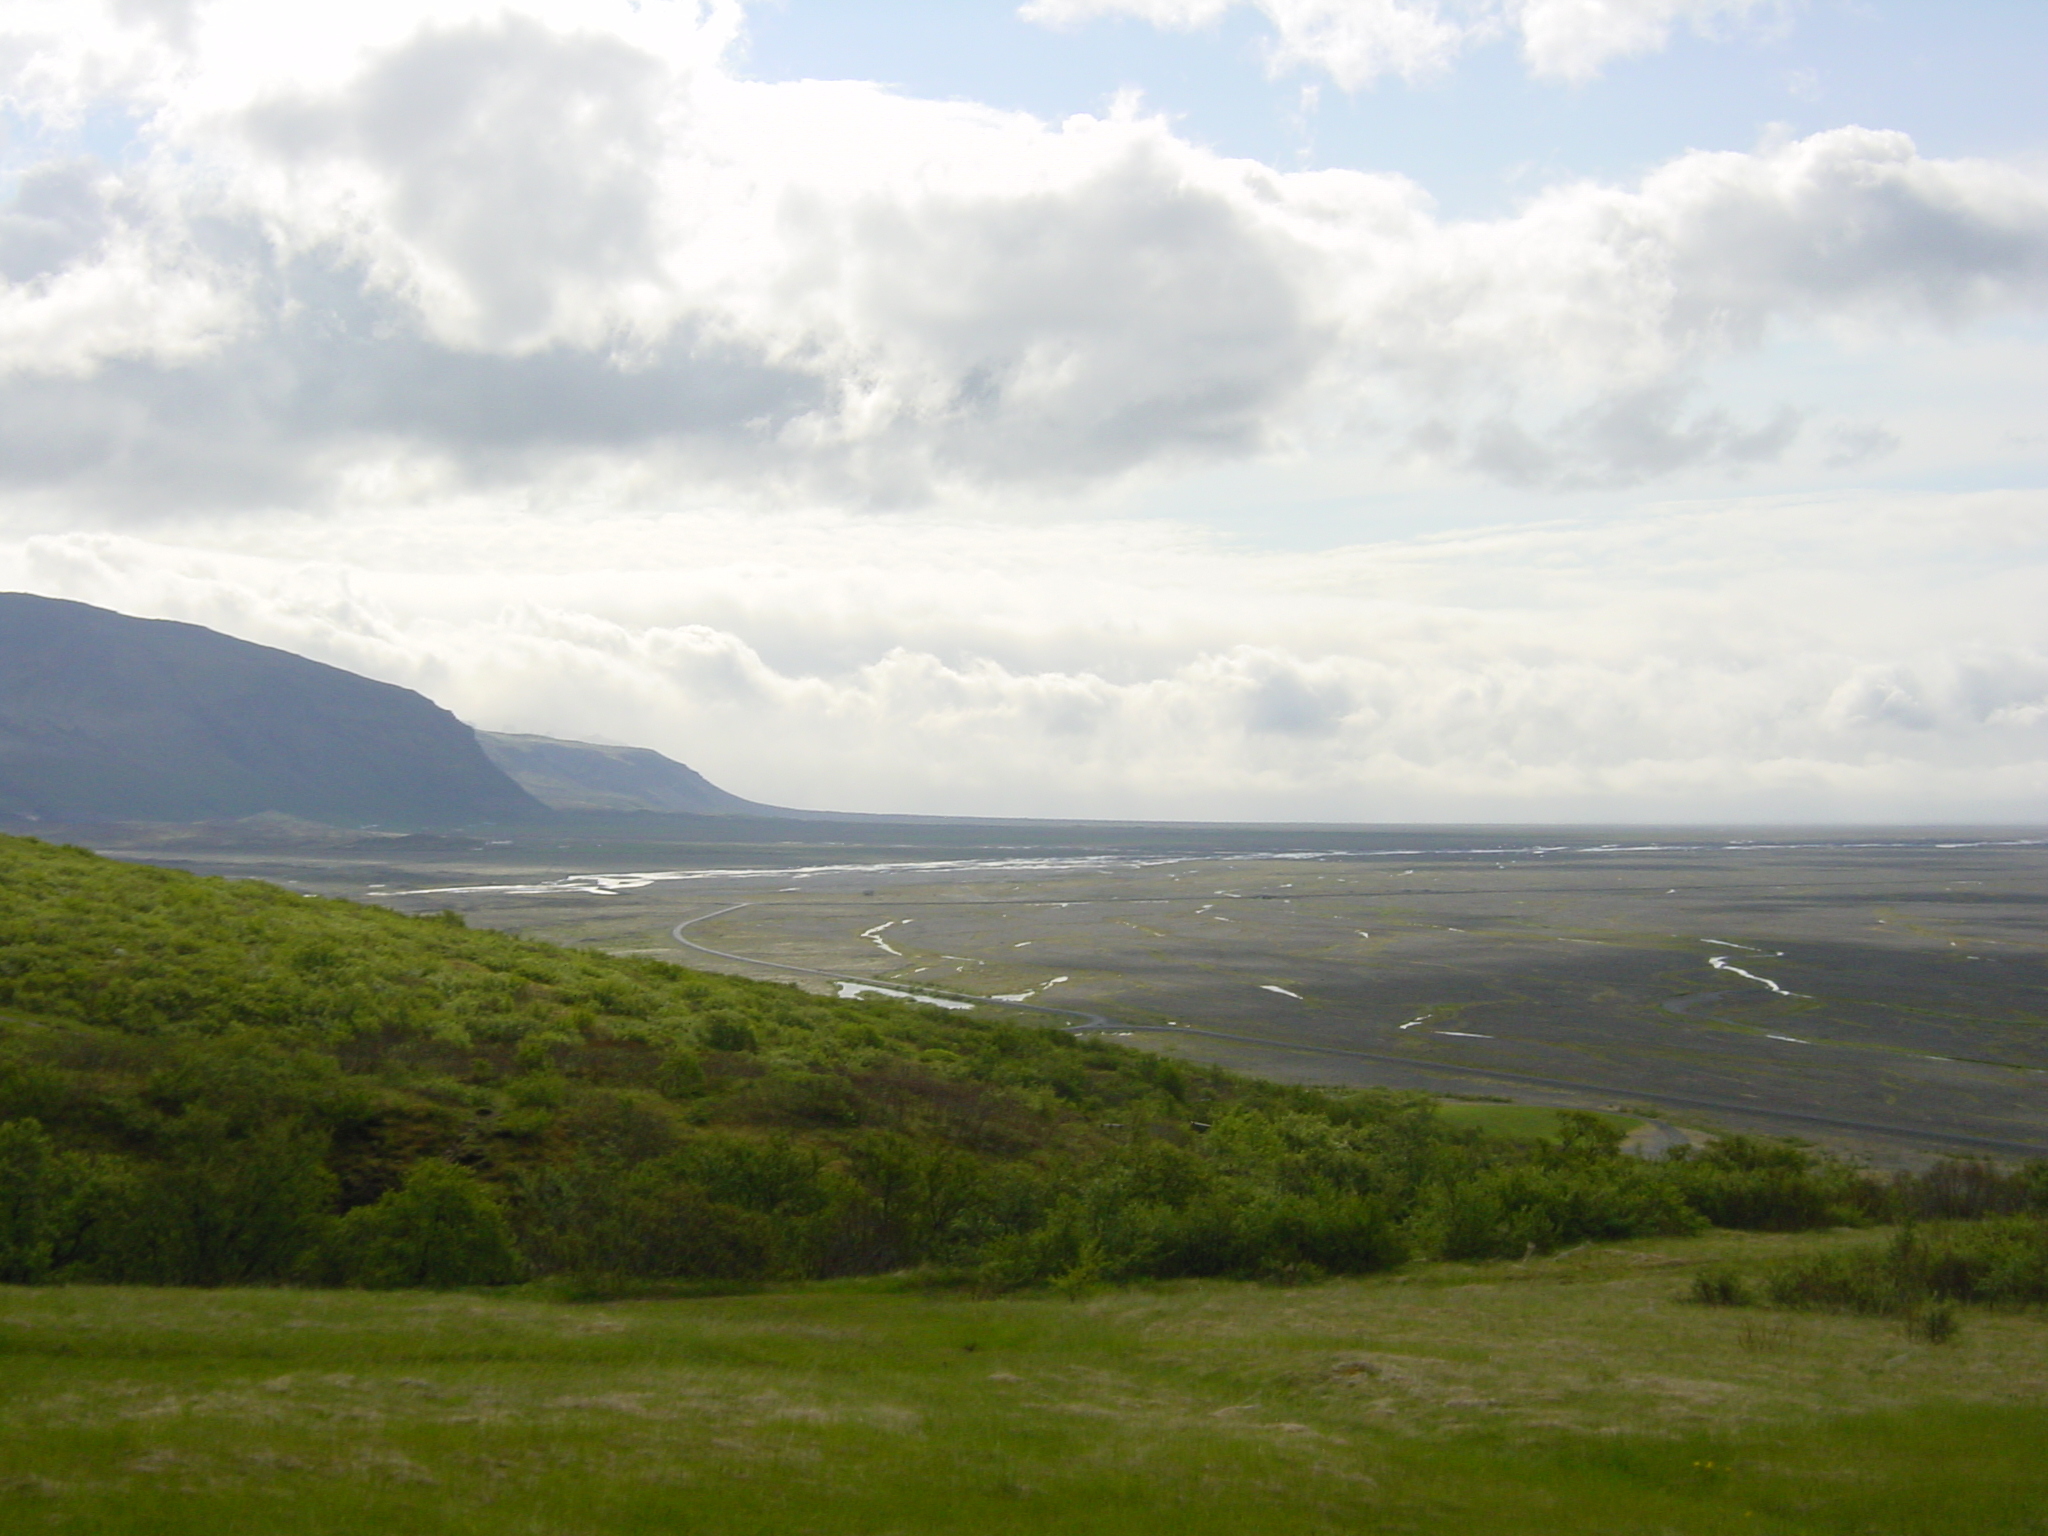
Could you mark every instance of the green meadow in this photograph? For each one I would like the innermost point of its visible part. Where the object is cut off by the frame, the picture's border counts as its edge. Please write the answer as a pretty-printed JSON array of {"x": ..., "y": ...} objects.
[{"x": 1581, "y": 1393}]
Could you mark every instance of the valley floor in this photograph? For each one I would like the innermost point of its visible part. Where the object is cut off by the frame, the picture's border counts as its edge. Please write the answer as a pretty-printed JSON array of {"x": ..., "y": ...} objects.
[{"x": 1581, "y": 1393}]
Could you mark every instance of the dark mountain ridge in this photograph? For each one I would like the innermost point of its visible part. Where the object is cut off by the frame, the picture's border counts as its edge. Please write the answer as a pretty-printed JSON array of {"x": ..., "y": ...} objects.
[
  {"x": 590, "y": 776},
  {"x": 103, "y": 716}
]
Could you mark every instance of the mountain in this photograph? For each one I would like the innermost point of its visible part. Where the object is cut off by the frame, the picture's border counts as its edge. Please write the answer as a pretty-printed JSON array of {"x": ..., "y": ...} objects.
[
  {"x": 103, "y": 716},
  {"x": 584, "y": 776}
]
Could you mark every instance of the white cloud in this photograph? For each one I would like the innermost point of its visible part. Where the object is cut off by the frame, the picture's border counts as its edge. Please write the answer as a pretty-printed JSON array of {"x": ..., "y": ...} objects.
[
  {"x": 1355, "y": 42},
  {"x": 502, "y": 245},
  {"x": 1576, "y": 39},
  {"x": 90, "y": 274},
  {"x": 1772, "y": 658}
]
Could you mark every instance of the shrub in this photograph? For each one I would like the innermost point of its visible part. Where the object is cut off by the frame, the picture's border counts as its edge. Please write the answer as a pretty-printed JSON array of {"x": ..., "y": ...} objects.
[
  {"x": 729, "y": 1034},
  {"x": 916, "y": 1194},
  {"x": 1968, "y": 1189},
  {"x": 1720, "y": 1288},
  {"x": 1936, "y": 1324},
  {"x": 1333, "y": 1232},
  {"x": 219, "y": 1209},
  {"x": 440, "y": 1228},
  {"x": 672, "y": 1231},
  {"x": 2002, "y": 1261},
  {"x": 1862, "y": 1280},
  {"x": 1758, "y": 1186},
  {"x": 1142, "y": 1219},
  {"x": 29, "y": 1199},
  {"x": 654, "y": 1222},
  {"x": 1999, "y": 1262},
  {"x": 1514, "y": 1209}
]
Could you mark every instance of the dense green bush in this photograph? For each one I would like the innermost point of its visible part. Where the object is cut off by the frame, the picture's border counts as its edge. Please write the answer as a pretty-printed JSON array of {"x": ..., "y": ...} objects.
[
  {"x": 1967, "y": 1189},
  {"x": 597, "y": 1217},
  {"x": 30, "y": 1201},
  {"x": 440, "y": 1228},
  {"x": 1759, "y": 1186},
  {"x": 215, "y": 1210},
  {"x": 1516, "y": 1209},
  {"x": 2000, "y": 1261},
  {"x": 1155, "y": 1209}
]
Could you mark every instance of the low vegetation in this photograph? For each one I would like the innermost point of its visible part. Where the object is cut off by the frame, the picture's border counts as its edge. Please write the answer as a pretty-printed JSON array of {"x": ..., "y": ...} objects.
[
  {"x": 1921, "y": 1275},
  {"x": 1576, "y": 1394},
  {"x": 206, "y": 1082}
]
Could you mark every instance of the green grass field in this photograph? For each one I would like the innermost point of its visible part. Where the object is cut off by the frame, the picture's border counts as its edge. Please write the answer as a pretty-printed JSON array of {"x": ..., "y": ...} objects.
[{"x": 1580, "y": 1393}]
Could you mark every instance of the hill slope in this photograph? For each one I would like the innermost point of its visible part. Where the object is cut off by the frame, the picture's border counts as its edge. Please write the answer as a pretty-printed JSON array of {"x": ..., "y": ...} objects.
[
  {"x": 103, "y": 716},
  {"x": 586, "y": 776},
  {"x": 207, "y": 1082}
]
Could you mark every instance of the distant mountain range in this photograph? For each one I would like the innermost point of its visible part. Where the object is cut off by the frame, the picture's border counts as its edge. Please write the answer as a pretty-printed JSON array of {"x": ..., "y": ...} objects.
[
  {"x": 584, "y": 776},
  {"x": 106, "y": 717}
]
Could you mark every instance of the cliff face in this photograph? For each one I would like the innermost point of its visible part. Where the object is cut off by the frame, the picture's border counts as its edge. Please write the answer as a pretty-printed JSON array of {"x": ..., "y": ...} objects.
[{"x": 103, "y": 716}]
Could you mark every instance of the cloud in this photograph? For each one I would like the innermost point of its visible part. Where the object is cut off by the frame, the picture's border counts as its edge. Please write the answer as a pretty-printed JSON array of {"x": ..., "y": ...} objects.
[
  {"x": 504, "y": 177},
  {"x": 59, "y": 217},
  {"x": 1851, "y": 446},
  {"x": 463, "y": 246},
  {"x": 1575, "y": 39},
  {"x": 1878, "y": 696},
  {"x": 486, "y": 248},
  {"x": 1777, "y": 658},
  {"x": 1355, "y": 42},
  {"x": 1624, "y": 438}
]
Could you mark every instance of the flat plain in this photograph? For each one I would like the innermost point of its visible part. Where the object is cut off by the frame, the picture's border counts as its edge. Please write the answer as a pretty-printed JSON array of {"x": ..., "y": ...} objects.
[{"x": 1881, "y": 992}]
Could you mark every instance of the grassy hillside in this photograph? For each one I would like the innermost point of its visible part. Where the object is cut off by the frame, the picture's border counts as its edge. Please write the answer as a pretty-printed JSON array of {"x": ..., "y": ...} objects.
[{"x": 213, "y": 1082}]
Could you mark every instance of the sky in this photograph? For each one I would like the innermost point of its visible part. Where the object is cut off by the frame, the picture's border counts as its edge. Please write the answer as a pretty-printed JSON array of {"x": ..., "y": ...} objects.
[{"x": 1312, "y": 410}]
